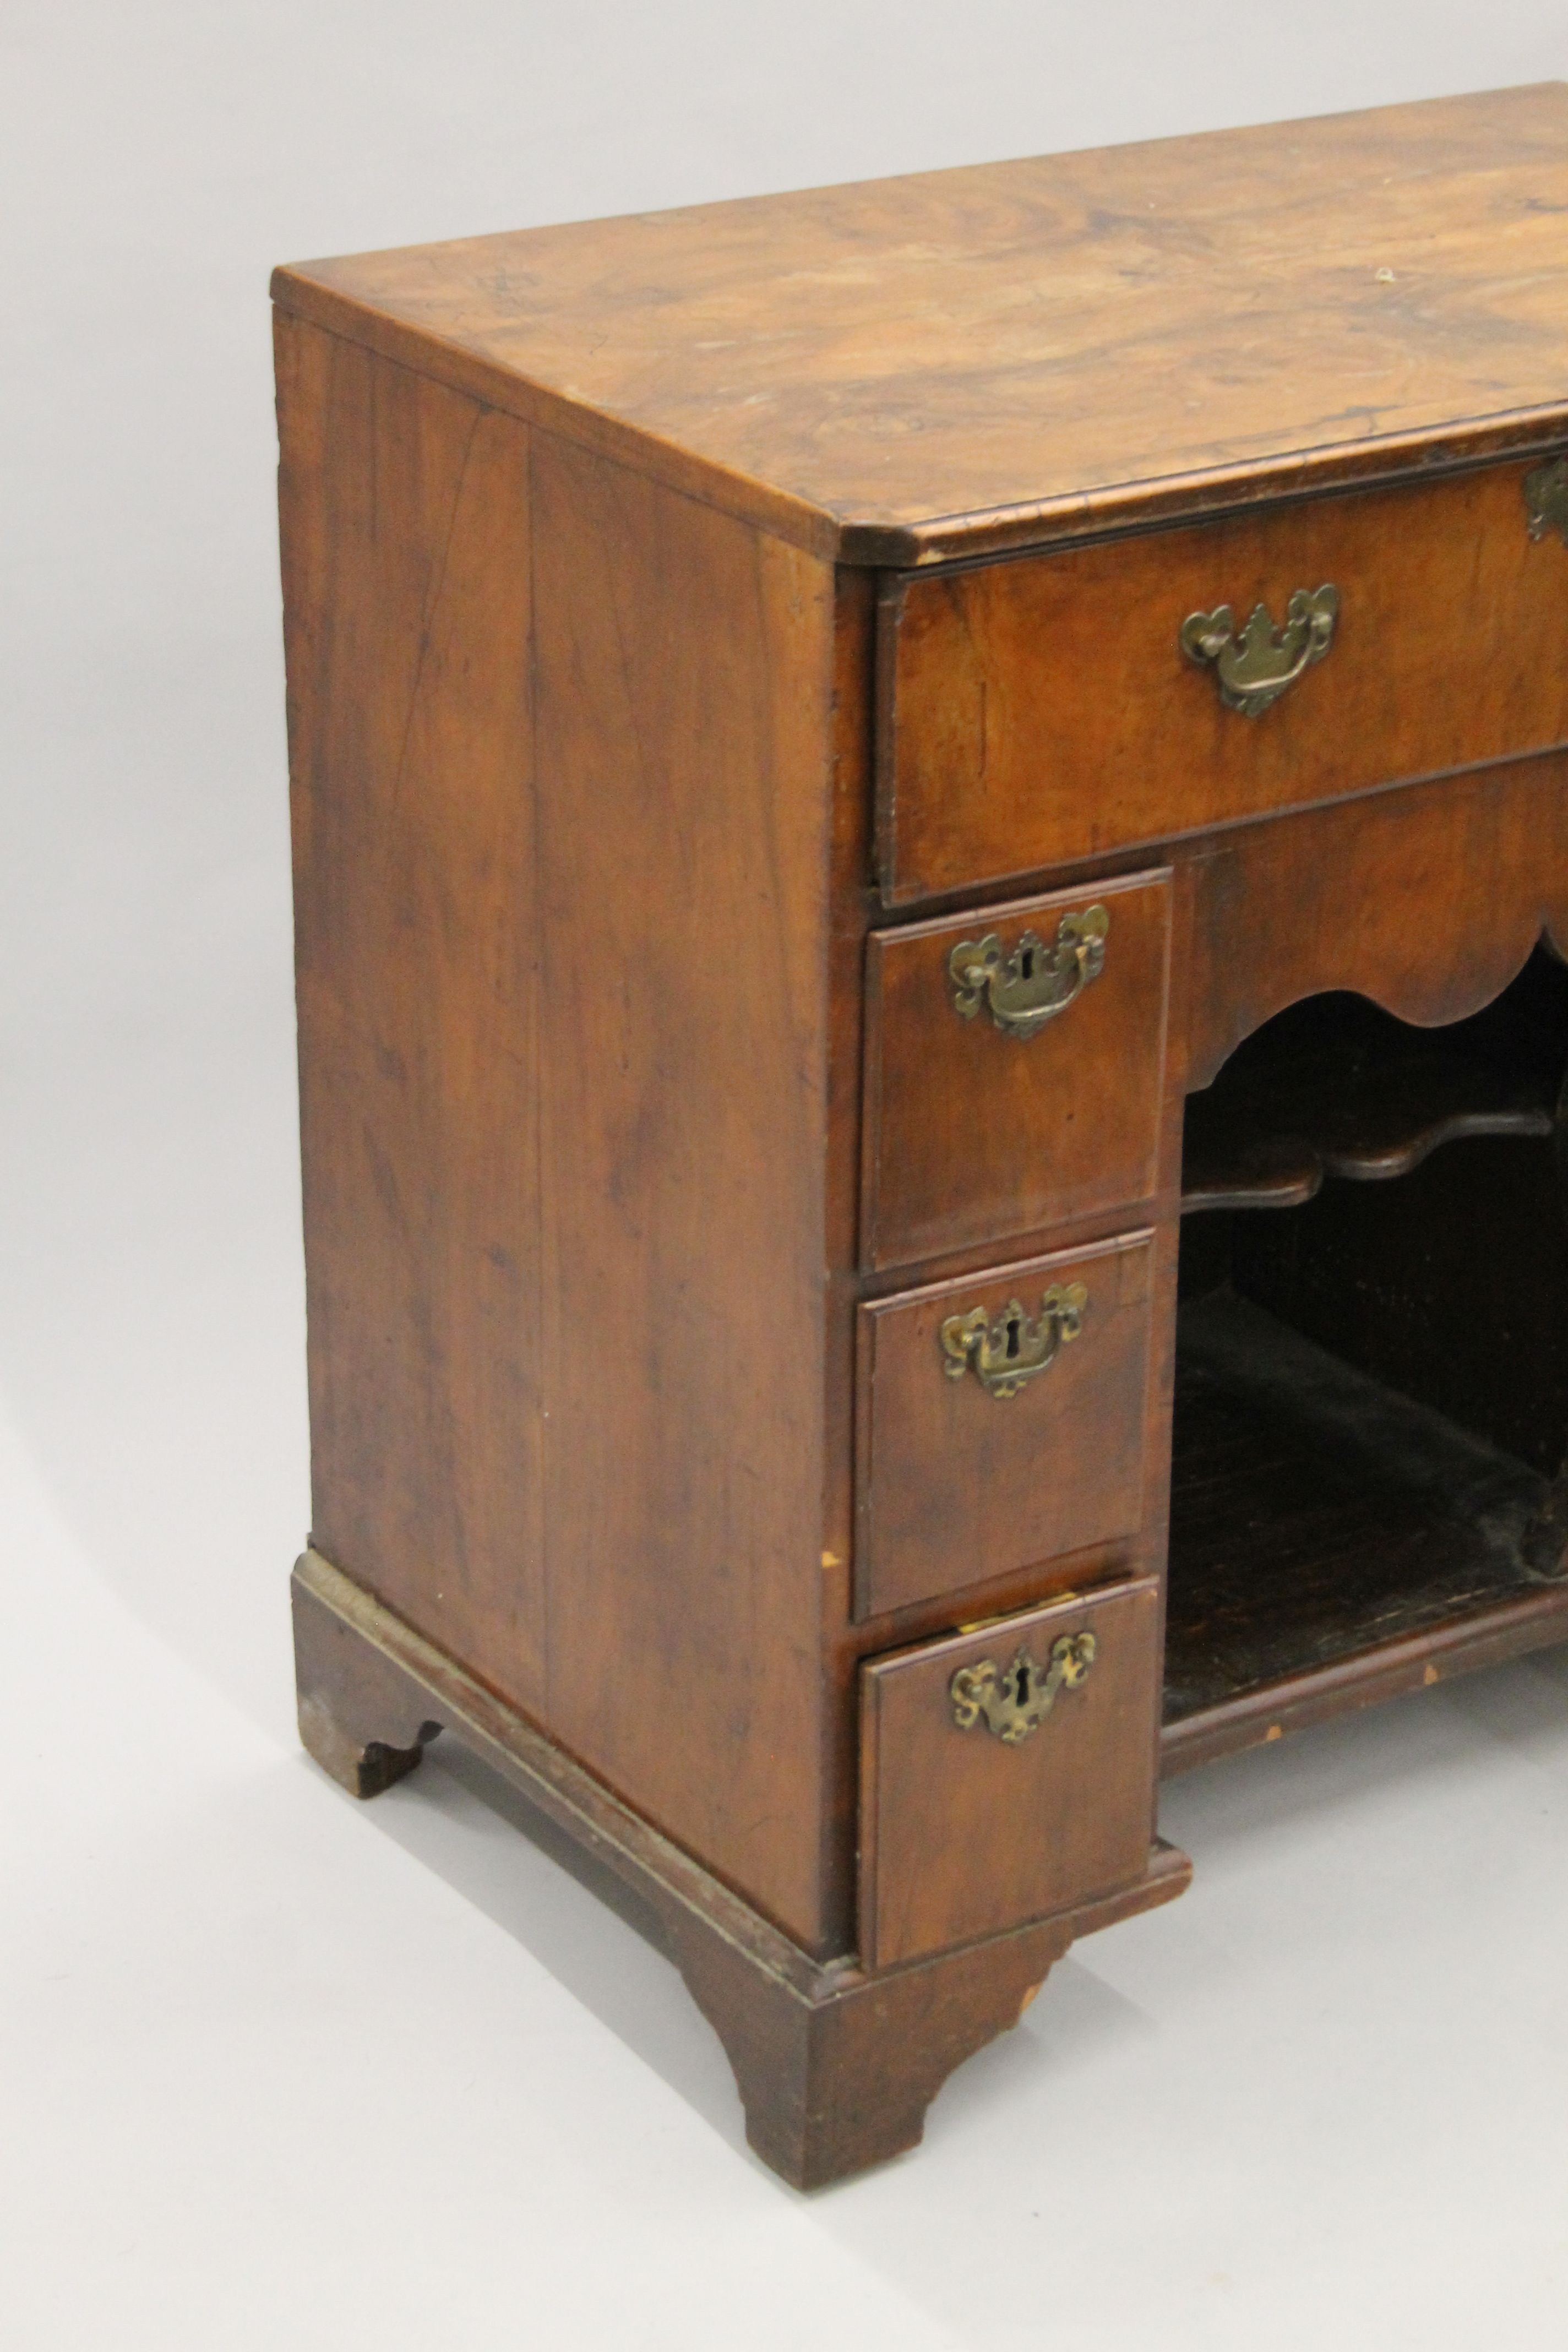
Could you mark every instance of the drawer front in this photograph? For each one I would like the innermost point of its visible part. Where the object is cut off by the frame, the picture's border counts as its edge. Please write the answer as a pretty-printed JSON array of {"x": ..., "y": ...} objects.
[
  {"x": 979, "y": 1813},
  {"x": 1042, "y": 710},
  {"x": 1014, "y": 1065},
  {"x": 1000, "y": 1420}
]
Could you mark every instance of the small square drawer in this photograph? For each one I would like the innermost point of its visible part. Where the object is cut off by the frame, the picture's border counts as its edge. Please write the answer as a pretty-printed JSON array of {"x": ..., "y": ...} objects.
[
  {"x": 1000, "y": 1420},
  {"x": 1014, "y": 1067},
  {"x": 1007, "y": 1771},
  {"x": 1039, "y": 710}
]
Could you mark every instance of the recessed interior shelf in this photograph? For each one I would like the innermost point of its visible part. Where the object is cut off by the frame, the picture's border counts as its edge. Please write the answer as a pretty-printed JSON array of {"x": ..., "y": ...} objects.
[
  {"x": 1371, "y": 1378},
  {"x": 1337, "y": 1088},
  {"x": 1318, "y": 1519}
]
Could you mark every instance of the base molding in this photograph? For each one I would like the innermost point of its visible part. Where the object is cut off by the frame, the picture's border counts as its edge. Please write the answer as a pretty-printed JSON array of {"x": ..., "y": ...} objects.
[{"x": 835, "y": 2066}]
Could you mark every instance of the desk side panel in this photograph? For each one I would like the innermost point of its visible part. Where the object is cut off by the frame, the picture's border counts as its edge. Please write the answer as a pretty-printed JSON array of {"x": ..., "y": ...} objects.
[
  {"x": 684, "y": 672},
  {"x": 405, "y": 515}
]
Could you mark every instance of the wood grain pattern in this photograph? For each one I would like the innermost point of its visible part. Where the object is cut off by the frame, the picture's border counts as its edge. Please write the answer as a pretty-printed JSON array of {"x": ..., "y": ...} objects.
[
  {"x": 1428, "y": 900},
  {"x": 971, "y": 1135},
  {"x": 408, "y": 616},
  {"x": 963, "y": 1835},
  {"x": 957, "y": 1486},
  {"x": 913, "y": 367},
  {"x": 1039, "y": 711},
  {"x": 683, "y": 857},
  {"x": 566, "y": 1337}
]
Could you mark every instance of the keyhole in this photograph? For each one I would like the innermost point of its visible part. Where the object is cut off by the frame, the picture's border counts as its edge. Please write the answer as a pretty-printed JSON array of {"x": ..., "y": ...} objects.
[
  {"x": 1012, "y": 1335},
  {"x": 1024, "y": 1684},
  {"x": 1027, "y": 962}
]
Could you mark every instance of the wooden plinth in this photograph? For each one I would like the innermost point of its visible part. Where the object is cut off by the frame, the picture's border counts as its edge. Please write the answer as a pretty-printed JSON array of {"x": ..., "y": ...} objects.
[{"x": 835, "y": 2066}]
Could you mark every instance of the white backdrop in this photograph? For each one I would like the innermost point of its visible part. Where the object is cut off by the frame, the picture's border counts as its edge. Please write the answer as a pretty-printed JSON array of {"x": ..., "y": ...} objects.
[{"x": 280, "y": 2071}]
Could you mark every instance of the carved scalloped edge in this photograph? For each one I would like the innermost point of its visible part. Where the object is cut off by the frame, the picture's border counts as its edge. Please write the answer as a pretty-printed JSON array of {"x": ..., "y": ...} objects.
[
  {"x": 1414, "y": 1004},
  {"x": 1425, "y": 897},
  {"x": 1301, "y": 1167}
]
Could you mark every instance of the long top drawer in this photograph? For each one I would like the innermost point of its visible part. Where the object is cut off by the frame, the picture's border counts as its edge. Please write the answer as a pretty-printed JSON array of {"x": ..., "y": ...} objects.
[{"x": 1044, "y": 709}]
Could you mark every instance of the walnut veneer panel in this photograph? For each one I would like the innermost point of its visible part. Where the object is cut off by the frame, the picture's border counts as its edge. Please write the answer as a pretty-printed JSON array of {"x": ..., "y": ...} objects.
[
  {"x": 683, "y": 842},
  {"x": 957, "y": 1485},
  {"x": 971, "y": 1134},
  {"x": 1426, "y": 900},
  {"x": 963, "y": 1834},
  {"x": 564, "y": 1067},
  {"x": 917, "y": 365},
  {"x": 410, "y": 734},
  {"x": 1041, "y": 711}
]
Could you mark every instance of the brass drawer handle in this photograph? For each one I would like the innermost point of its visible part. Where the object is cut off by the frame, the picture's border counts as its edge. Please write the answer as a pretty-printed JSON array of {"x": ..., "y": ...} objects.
[
  {"x": 1031, "y": 986},
  {"x": 1255, "y": 667},
  {"x": 1014, "y": 1705},
  {"x": 1546, "y": 500},
  {"x": 1007, "y": 1352}
]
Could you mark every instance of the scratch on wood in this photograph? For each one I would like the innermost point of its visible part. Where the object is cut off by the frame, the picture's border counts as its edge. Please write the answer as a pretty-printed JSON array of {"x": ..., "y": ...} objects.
[{"x": 433, "y": 603}]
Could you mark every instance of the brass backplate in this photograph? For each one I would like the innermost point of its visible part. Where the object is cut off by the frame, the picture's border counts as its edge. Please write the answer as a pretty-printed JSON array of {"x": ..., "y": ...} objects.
[
  {"x": 1254, "y": 666},
  {"x": 1006, "y": 1351},
  {"x": 1014, "y": 1705},
  {"x": 1031, "y": 983}
]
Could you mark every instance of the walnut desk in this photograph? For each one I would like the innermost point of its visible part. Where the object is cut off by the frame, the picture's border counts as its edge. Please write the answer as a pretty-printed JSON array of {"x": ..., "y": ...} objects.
[{"x": 902, "y": 794}]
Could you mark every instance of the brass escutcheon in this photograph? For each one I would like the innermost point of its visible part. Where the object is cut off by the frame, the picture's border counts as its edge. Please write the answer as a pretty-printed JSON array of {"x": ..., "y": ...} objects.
[
  {"x": 1006, "y": 1351},
  {"x": 1254, "y": 666},
  {"x": 1015, "y": 1703},
  {"x": 1035, "y": 982},
  {"x": 1546, "y": 500}
]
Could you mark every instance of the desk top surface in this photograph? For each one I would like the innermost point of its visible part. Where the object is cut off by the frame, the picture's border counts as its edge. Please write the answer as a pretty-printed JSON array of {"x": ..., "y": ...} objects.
[{"x": 903, "y": 370}]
